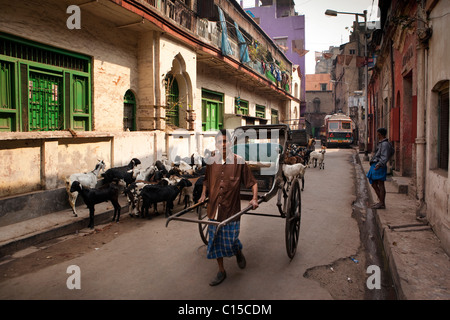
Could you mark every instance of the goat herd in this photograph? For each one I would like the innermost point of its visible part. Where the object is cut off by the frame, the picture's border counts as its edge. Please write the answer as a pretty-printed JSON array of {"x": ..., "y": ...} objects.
[
  {"x": 163, "y": 182},
  {"x": 298, "y": 158},
  {"x": 157, "y": 183}
]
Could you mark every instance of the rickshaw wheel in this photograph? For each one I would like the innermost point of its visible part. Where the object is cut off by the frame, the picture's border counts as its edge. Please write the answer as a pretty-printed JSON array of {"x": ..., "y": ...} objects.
[
  {"x": 293, "y": 218},
  {"x": 203, "y": 227}
]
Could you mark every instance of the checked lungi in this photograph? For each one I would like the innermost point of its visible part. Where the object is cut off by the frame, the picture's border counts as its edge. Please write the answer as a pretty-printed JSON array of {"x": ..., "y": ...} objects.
[
  {"x": 379, "y": 174},
  {"x": 226, "y": 243}
]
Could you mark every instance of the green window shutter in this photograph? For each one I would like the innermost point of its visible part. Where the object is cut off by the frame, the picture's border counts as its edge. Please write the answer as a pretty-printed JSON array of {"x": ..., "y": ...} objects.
[
  {"x": 241, "y": 106},
  {"x": 129, "y": 111},
  {"x": 44, "y": 102},
  {"x": 260, "y": 111},
  {"x": 209, "y": 115},
  {"x": 79, "y": 95},
  {"x": 81, "y": 118},
  {"x": 274, "y": 116},
  {"x": 204, "y": 115},
  {"x": 49, "y": 90},
  {"x": 212, "y": 110},
  {"x": 8, "y": 111},
  {"x": 213, "y": 118}
]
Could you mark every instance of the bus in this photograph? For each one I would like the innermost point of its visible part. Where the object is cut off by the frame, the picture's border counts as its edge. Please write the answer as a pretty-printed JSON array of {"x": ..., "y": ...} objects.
[{"x": 339, "y": 130}]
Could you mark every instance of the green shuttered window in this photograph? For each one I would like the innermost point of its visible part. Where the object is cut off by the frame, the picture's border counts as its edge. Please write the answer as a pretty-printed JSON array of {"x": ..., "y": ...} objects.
[
  {"x": 43, "y": 88},
  {"x": 212, "y": 110}
]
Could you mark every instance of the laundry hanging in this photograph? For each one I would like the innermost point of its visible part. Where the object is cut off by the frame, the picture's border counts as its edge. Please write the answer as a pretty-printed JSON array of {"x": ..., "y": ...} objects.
[
  {"x": 243, "y": 49},
  {"x": 226, "y": 47}
]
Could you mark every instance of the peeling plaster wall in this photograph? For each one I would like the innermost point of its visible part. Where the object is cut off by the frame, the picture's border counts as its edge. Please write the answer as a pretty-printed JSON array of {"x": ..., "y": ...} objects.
[
  {"x": 114, "y": 60},
  {"x": 35, "y": 161},
  {"x": 437, "y": 188},
  {"x": 81, "y": 155},
  {"x": 20, "y": 169}
]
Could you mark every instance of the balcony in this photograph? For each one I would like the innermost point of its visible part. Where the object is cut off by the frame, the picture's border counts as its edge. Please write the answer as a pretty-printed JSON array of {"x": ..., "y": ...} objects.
[{"x": 178, "y": 12}]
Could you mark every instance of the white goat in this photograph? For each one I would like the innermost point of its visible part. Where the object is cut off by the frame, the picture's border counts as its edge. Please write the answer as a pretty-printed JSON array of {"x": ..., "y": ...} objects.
[
  {"x": 87, "y": 180},
  {"x": 197, "y": 160},
  {"x": 172, "y": 180},
  {"x": 167, "y": 165},
  {"x": 143, "y": 174},
  {"x": 294, "y": 171},
  {"x": 133, "y": 193},
  {"x": 185, "y": 167},
  {"x": 318, "y": 156}
]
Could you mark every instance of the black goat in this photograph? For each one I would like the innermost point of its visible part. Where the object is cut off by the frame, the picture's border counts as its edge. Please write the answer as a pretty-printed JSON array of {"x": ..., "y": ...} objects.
[
  {"x": 133, "y": 194},
  {"x": 124, "y": 173},
  {"x": 93, "y": 196},
  {"x": 307, "y": 156},
  {"x": 160, "y": 166},
  {"x": 152, "y": 194},
  {"x": 198, "y": 188}
]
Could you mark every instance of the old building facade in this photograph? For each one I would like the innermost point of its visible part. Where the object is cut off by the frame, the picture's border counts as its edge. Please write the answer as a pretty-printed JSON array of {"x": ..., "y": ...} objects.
[
  {"x": 286, "y": 27},
  {"x": 408, "y": 95},
  {"x": 319, "y": 100},
  {"x": 349, "y": 76},
  {"x": 112, "y": 80}
]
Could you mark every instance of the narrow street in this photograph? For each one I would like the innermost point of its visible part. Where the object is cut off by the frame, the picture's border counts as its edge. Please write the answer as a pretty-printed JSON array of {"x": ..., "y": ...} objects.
[
  {"x": 142, "y": 259},
  {"x": 94, "y": 93}
]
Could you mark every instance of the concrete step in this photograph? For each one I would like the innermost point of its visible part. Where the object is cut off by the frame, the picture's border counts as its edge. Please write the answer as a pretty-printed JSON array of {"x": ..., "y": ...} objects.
[
  {"x": 16, "y": 208},
  {"x": 402, "y": 184},
  {"x": 22, "y": 234},
  {"x": 32, "y": 205}
]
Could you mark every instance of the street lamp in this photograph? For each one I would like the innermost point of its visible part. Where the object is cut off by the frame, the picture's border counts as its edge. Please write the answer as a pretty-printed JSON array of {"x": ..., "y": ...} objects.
[
  {"x": 330, "y": 12},
  {"x": 334, "y": 13}
]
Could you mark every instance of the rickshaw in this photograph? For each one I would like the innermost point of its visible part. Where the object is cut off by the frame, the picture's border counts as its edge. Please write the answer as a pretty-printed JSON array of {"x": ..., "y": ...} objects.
[{"x": 262, "y": 147}]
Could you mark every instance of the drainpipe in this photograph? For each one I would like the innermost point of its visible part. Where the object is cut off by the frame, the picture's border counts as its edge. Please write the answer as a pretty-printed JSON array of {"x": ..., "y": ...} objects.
[
  {"x": 422, "y": 74},
  {"x": 420, "y": 139},
  {"x": 392, "y": 104}
]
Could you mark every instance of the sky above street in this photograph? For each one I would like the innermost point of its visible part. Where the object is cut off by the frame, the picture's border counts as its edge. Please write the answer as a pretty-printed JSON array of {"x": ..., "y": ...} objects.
[{"x": 323, "y": 31}]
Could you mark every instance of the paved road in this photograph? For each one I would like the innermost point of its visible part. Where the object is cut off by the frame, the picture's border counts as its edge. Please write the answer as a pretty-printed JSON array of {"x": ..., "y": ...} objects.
[{"x": 155, "y": 262}]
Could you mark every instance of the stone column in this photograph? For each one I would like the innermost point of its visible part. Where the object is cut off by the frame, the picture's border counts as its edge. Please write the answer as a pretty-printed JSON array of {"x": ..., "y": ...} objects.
[{"x": 421, "y": 132}]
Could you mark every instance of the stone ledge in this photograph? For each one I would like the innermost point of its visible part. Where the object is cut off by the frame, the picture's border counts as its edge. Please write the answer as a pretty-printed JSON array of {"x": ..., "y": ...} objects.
[{"x": 53, "y": 135}]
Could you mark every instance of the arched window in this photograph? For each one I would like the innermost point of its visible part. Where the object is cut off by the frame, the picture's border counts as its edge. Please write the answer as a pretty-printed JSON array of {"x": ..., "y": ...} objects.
[
  {"x": 441, "y": 91},
  {"x": 316, "y": 105},
  {"x": 129, "y": 111},
  {"x": 172, "y": 101}
]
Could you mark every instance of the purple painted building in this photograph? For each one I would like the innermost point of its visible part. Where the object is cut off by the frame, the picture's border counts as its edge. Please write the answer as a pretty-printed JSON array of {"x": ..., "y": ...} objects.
[{"x": 280, "y": 21}]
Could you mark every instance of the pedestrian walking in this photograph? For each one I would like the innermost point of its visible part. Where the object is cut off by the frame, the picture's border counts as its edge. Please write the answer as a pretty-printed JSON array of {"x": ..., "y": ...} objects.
[
  {"x": 225, "y": 172},
  {"x": 311, "y": 144},
  {"x": 378, "y": 170}
]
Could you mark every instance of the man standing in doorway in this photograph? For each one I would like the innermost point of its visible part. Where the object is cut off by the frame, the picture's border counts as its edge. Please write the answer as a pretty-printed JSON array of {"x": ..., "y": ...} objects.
[
  {"x": 225, "y": 172},
  {"x": 378, "y": 170}
]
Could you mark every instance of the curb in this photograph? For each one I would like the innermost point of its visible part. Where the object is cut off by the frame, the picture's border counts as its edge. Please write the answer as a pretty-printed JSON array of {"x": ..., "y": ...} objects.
[
  {"x": 383, "y": 235},
  {"x": 391, "y": 260},
  {"x": 40, "y": 236},
  {"x": 417, "y": 263},
  {"x": 382, "y": 230}
]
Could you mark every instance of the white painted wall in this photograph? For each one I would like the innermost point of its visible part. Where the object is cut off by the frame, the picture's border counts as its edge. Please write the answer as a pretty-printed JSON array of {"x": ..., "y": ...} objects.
[{"x": 437, "y": 186}]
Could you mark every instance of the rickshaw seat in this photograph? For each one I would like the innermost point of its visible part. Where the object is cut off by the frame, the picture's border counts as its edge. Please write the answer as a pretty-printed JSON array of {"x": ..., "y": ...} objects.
[{"x": 259, "y": 152}]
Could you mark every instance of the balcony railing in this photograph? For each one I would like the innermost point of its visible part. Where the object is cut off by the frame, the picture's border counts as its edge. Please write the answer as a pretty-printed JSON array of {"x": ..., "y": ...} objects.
[
  {"x": 181, "y": 14},
  {"x": 175, "y": 10}
]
